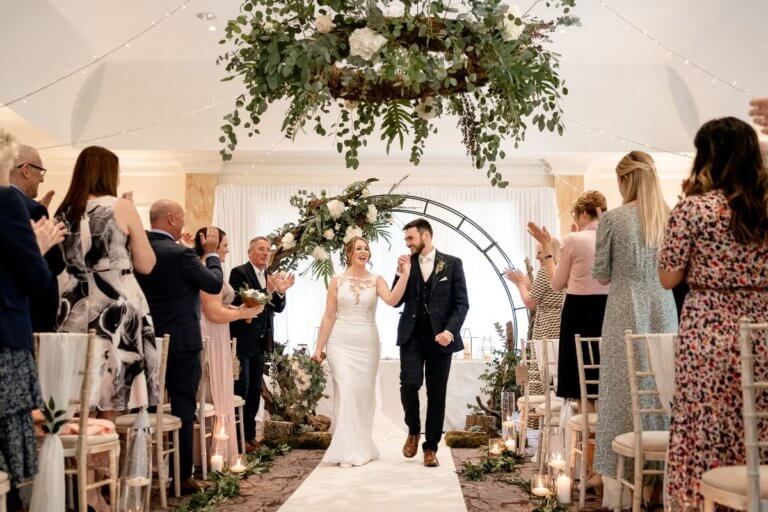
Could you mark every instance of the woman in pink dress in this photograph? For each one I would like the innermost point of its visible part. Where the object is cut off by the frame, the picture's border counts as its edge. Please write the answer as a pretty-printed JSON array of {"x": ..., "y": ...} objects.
[{"x": 214, "y": 324}]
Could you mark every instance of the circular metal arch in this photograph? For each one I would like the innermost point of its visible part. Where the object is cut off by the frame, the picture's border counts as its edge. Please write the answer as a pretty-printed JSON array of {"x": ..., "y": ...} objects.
[{"x": 477, "y": 236}]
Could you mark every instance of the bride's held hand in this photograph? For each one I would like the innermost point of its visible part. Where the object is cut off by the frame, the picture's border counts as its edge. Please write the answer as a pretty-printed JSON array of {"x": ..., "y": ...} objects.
[
  {"x": 404, "y": 264},
  {"x": 318, "y": 356}
]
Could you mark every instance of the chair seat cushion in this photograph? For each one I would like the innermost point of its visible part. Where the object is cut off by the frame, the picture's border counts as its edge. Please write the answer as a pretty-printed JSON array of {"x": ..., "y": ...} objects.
[
  {"x": 71, "y": 441},
  {"x": 577, "y": 421},
  {"x": 538, "y": 399},
  {"x": 127, "y": 420},
  {"x": 653, "y": 440},
  {"x": 733, "y": 479},
  {"x": 210, "y": 410},
  {"x": 555, "y": 407}
]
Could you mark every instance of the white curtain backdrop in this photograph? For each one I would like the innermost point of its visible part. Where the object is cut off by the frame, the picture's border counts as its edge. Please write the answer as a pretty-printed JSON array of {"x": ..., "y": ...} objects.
[{"x": 245, "y": 211}]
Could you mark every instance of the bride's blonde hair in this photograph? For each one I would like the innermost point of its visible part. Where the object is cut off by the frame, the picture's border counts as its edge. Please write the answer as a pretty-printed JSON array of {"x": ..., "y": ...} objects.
[{"x": 349, "y": 249}]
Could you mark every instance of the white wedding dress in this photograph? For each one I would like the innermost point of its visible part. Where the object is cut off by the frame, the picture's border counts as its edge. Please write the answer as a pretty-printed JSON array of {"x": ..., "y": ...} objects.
[{"x": 353, "y": 357}]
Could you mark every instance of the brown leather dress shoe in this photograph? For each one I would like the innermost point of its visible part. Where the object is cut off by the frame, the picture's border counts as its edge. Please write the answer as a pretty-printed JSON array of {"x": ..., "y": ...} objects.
[
  {"x": 252, "y": 446},
  {"x": 411, "y": 446},
  {"x": 430, "y": 459},
  {"x": 191, "y": 486}
]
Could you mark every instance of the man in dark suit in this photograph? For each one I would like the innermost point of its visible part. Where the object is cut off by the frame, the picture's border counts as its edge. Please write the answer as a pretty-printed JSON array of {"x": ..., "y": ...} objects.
[
  {"x": 436, "y": 305},
  {"x": 173, "y": 293},
  {"x": 26, "y": 176},
  {"x": 255, "y": 340}
]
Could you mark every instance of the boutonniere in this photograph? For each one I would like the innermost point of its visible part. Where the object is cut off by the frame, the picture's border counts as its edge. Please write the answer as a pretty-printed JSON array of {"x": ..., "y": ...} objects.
[{"x": 439, "y": 265}]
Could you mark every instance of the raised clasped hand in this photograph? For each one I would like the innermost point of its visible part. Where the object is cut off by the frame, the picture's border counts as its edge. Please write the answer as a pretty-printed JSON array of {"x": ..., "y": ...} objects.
[{"x": 210, "y": 239}]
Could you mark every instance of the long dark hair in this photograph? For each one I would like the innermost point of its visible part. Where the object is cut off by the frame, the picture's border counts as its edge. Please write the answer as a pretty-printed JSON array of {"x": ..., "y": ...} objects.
[
  {"x": 728, "y": 156},
  {"x": 96, "y": 173},
  {"x": 199, "y": 250}
]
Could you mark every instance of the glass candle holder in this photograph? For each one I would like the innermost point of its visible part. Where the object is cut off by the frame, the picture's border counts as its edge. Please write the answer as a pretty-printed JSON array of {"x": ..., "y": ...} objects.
[
  {"x": 541, "y": 485},
  {"x": 238, "y": 467},
  {"x": 557, "y": 463},
  {"x": 563, "y": 486},
  {"x": 495, "y": 447},
  {"x": 217, "y": 463}
]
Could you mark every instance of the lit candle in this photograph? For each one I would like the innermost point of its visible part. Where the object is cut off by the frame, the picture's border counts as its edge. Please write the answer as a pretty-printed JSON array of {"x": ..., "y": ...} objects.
[
  {"x": 222, "y": 435},
  {"x": 217, "y": 463},
  {"x": 557, "y": 463},
  {"x": 137, "y": 481},
  {"x": 563, "y": 487},
  {"x": 238, "y": 467},
  {"x": 540, "y": 490},
  {"x": 510, "y": 445},
  {"x": 495, "y": 448}
]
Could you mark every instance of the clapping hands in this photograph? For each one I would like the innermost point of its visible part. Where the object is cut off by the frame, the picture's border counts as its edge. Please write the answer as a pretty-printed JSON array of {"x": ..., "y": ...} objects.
[
  {"x": 280, "y": 282},
  {"x": 48, "y": 233},
  {"x": 517, "y": 277},
  {"x": 541, "y": 235},
  {"x": 210, "y": 239}
]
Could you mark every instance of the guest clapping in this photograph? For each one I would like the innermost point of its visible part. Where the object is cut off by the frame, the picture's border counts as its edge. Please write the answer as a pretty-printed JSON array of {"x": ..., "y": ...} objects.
[
  {"x": 173, "y": 292},
  {"x": 718, "y": 239},
  {"x": 214, "y": 324},
  {"x": 26, "y": 176},
  {"x": 24, "y": 275},
  {"x": 585, "y": 298},
  {"x": 628, "y": 239},
  {"x": 105, "y": 244},
  {"x": 255, "y": 340}
]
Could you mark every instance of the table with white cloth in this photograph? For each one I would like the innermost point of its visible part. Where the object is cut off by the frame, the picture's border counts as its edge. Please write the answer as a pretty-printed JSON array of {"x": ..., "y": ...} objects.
[{"x": 463, "y": 386}]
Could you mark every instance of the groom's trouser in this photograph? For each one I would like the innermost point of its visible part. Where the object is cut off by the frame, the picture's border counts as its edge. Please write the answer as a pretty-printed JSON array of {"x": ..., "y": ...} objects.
[
  {"x": 420, "y": 358},
  {"x": 248, "y": 386}
]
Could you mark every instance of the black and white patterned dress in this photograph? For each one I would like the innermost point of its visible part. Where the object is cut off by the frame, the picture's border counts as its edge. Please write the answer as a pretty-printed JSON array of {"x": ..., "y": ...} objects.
[{"x": 99, "y": 291}]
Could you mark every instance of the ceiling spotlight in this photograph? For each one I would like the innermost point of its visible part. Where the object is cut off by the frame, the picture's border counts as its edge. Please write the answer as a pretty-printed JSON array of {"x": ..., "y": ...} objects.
[{"x": 206, "y": 16}]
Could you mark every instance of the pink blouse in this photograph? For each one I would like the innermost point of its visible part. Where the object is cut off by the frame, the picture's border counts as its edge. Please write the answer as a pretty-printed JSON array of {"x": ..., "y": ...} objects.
[{"x": 574, "y": 270}]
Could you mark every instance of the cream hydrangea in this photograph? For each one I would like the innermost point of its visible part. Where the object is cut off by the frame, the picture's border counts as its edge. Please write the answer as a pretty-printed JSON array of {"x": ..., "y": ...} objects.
[
  {"x": 320, "y": 253},
  {"x": 352, "y": 232},
  {"x": 365, "y": 43},
  {"x": 373, "y": 213},
  {"x": 365, "y": 192},
  {"x": 335, "y": 208},
  {"x": 324, "y": 24},
  {"x": 328, "y": 234},
  {"x": 511, "y": 29},
  {"x": 288, "y": 242}
]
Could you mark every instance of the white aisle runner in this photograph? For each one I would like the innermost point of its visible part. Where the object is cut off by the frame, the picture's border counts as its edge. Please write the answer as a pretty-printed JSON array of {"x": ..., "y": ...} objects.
[{"x": 388, "y": 484}]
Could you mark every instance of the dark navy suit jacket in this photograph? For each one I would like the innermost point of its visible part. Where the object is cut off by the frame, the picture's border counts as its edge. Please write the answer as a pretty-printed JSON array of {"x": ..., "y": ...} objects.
[
  {"x": 173, "y": 291},
  {"x": 24, "y": 273}
]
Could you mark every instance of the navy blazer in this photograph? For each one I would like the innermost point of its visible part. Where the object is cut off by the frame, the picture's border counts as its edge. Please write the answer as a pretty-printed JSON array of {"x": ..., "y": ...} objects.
[
  {"x": 258, "y": 336},
  {"x": 448, "y": 302},
  {"x": 24, "y": 274},
  {"x": 173, "y": 291},
  {"x": 44, "y": 309}
]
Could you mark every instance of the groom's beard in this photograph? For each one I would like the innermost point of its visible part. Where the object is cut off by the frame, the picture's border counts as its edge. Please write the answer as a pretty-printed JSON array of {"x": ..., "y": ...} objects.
[{"x": 416, "y": 248}]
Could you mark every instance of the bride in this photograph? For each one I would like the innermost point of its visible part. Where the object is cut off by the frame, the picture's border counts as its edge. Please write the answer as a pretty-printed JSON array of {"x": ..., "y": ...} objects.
[{"x": 349, "y": 330}]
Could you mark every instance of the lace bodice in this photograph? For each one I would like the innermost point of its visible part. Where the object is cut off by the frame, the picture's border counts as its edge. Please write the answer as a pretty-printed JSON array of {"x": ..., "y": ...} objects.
[{"x": 356, "y": 299}]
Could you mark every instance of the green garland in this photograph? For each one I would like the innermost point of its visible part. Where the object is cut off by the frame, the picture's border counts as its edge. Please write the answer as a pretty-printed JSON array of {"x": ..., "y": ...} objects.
[
  {"x": 350, "y": 69},
  {"x": 227, "y": 485}
]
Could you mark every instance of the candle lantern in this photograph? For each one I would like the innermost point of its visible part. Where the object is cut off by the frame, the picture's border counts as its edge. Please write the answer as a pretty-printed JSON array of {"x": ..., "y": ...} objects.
[
  {"x": 541, "y": 485},
  {"x": 135, "y": 492},
  {"x": 495, "y": 447}
]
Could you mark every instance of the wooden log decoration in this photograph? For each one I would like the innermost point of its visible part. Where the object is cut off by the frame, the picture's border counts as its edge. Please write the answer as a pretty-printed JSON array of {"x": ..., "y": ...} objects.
[
  {"x": 279, "y": 429},
  {"x": 320, "y": 422},
  {"x": 484, "y": 421}
]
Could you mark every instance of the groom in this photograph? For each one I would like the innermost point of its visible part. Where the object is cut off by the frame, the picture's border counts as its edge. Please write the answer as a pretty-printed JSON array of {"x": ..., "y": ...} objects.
[{"x": 428, "y": 334}]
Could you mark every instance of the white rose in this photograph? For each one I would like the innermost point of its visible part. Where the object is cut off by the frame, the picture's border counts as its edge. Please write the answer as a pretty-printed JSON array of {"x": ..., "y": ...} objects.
[
  {"x": 428, "y": 109},
  {"x": 352, "y": 232},
  {"x": 511, "y": 29},
  {"x": 335, "y": 208},
  {"x": 352, "y": 202},
  {"x": 319, "y": 253},
  {"x": 373, "y": 213},
  {"x": 328, "y": 234},
  {"x": 365, "y": 43},
  {"x": 288, "y": 242},
  {"x": 324, "y": 24},
  {"x": 365, "y": 192},
  {"x": 269, "y": 26}
]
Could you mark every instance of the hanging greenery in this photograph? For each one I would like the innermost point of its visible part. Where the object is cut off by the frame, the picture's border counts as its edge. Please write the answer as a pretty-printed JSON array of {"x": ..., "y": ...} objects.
[{"x": 351, "y": 67}]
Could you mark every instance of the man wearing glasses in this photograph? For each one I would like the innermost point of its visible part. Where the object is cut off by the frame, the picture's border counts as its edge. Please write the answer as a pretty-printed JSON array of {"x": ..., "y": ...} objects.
[{"x": 26, "y": 176}]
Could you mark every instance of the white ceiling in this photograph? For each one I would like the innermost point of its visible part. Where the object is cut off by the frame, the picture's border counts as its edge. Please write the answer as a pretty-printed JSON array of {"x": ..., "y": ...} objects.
[{"x": 619, "y": 81}]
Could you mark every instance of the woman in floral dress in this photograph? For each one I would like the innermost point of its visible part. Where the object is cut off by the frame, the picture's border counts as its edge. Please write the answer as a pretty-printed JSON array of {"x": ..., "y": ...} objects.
[{"x": 718, "y": 241}]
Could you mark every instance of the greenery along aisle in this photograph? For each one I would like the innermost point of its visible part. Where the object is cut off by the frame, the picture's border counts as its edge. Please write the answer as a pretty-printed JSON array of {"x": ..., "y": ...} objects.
[{"x": 479, "y": 60}]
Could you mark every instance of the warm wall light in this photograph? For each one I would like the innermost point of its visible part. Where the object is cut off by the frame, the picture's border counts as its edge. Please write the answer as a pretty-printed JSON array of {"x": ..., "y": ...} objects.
[{"x": 208, "y": 16}]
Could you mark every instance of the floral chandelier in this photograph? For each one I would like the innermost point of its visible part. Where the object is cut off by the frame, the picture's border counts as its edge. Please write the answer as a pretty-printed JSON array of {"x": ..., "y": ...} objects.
[{"x": 396, "y": 70}]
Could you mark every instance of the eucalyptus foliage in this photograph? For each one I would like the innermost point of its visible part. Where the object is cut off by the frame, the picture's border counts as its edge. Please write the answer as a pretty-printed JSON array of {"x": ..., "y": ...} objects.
[{"x": 472, "y": 59}]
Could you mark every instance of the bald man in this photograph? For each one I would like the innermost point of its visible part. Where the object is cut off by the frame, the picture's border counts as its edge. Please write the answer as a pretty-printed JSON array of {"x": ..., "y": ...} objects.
[
  {"x": 25, "y": 178},
  {"x": 173, "y": 292}
]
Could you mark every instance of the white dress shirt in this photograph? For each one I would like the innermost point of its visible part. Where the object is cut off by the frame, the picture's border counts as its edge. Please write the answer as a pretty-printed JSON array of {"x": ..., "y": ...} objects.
[
  {"x": 427, "y": 264},
  {"x": 260, "y": 275}
]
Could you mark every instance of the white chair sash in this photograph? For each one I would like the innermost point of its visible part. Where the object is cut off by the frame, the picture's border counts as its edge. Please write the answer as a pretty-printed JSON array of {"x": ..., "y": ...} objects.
[
  {"x": 61, "y": 357},
  {"x": 662, "y": 353}
]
